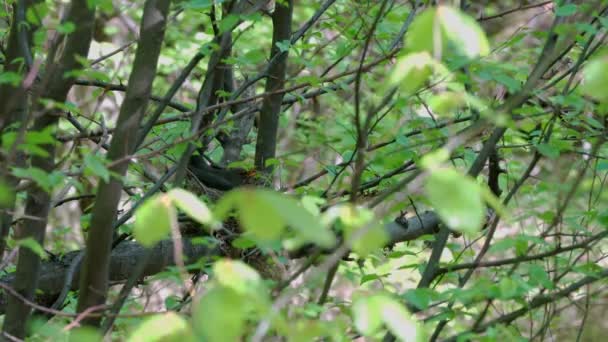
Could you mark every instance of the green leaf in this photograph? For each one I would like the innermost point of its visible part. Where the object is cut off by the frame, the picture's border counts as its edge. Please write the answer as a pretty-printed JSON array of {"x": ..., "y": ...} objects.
[
  {"x": 508, "y": 288},
  {"x": 238, "y": 276},
  {"x": 367, "y": 315},
  {"x": 566, "y": 10},
  {"x": 356, "y": 219},
  {"x": 421, "y": 298},
  {"x": 284, "y": 45},
  {"x": 165, "y": 327},
  {"x": 548, "y": 150},
  {"x": 266, "y": 209},
  {"x": 7, "y": 196},
  {"x": 412, "y": 71},
  {"x": 457, "y": 199},
  {"x": 445, "y": 31},
  {"x": 595, "y": 78},
  {"x": 10, "y": 77},
  {"x": 371, "y": 311},
  {"x": 191, "y": 205},
  {"x": 372, "y": 240},
  {"x": 46, "y": 181},
  {"x": 153, "y": 220},
  {"x": 220, "y": 315},
  {"x": 434, "y": 159},
  {"x": 446, "y": 103},
  {"x": 305, "y": 224},
  {"x": 538, "y": 275},
  {"x": 259, "y": 216},
  {"x": 94, "y": 164},
  {"x": 242, "y": 242},
  {"x": 228, "y": 23},
  {"x": 198, "y": 4},
  {"x": 33, "y": 246},
  {"x": 85, "y": 334},
  {"x": 66, "y": 28}
]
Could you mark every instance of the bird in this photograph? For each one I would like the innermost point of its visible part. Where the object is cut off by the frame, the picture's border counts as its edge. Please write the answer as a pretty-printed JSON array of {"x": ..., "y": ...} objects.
[{"x": 224, "y": 179}]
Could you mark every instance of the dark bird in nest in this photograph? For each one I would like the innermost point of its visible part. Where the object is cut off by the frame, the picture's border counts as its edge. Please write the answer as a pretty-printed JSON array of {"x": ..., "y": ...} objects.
[{"x": 223, "y": 179}]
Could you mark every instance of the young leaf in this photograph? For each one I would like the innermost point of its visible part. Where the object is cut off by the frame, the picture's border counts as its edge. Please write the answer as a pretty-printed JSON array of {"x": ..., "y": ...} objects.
[
  {"x": 220, "y": 315},
  {"x": 238, "y": 276},
  {"x": 399, "y": 321},
  {"x": 446, "y": 103},
  {"x": 304, "y": 223},
  {"x": 445, "y": 31},
  {"x": 166, "y": 327},
  {"x": 595, "y": 78},
  {"x": 412, "y": 71},
  {"x": 259, "y": 216},
  {"x": 373, "y": 235},
  {"x": 367, "y": 315},
  {"x": 457, "y": 199},
  {"x": 153, "y": 220},
  {"x": 371, "y": 311},
  {"x": 191, "y": 205}
]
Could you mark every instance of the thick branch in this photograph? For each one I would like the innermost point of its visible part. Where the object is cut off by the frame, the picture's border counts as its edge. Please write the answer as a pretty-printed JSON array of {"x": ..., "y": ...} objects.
[
  {"x": 54, "y": 86},
  {"x": 96, "y": 266},
  {"x": 124, "y": 257},
  {"x": 265, "y": 147},
  {"x": 122, "y": 263}
]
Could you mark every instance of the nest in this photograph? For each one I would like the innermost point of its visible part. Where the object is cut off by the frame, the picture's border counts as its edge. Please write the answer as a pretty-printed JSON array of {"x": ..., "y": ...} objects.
[{"x": 269, "y": 266}]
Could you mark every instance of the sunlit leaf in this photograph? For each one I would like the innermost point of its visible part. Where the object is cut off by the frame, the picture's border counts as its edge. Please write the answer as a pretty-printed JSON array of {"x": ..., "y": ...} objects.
[
  {"x": 443, "y": 31},
  {"x": 85, "y": 334},
  {"x": 370, "y": 312},
  {"x": 259, "y": 216},
  {"x": 400, "y": 322},
  {"x": 191, "y": 205},
  {"x": 238, "y": 276},
  {"x": 166, "y": 327},
  {"x": 457, "y": 199},
  {"x": 266, "y": 213},
  {"x": 595, "y": 78},
  {"x": 304, "y": 223},
  {"x": 412, "y": 71},
  {"x": 153, "y": 220},
  {"x": 367, "y": 315},
  {"x": 220, "y": 315},
  {"x": 360, "y": 225},
  {"x": 446, "y": 103}
]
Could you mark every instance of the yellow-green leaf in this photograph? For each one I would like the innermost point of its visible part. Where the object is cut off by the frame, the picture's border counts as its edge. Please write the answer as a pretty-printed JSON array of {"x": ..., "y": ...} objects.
[
  {"x": 220, "y": 315},
  {"x": 191, "y": 205},
  {"x": 153, "y": 220},
  {"x": 595, "y": 78},
  {"x": 457, "y": 199},
  {"x": 412, "y": 71},
  {"x": 168, "y": 327},
  {"x": 259, "y": 216},
  {"x": 445, "y": 31},
  {"x": 238, "y": 276},
  {"x": 7, "y": 196}
]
